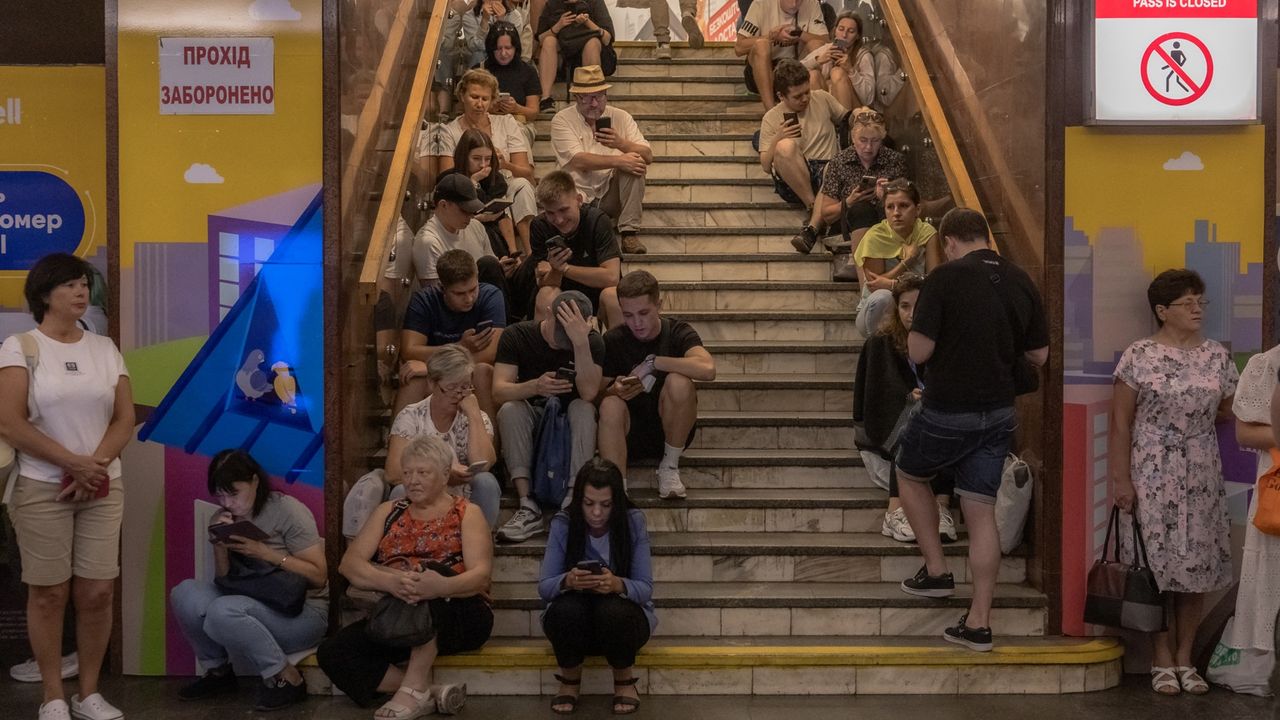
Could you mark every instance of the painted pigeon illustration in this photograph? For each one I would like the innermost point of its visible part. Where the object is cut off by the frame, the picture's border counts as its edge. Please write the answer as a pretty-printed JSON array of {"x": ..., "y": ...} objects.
[
  {"x": 286, "y": 386},
  {"x": 252, "y": 381}
]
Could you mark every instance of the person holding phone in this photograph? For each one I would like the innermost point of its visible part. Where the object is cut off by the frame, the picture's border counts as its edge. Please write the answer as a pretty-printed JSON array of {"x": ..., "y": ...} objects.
[
  {"x": 519, "y": 89},
  {"x": 66, "y": 407},
  {"x": 279, "y": 531},
  {"x": 775, "y": 30},
  {"x": 477, "y": 91},
  {"x": 798, "y": 135},
  {"x": 509, "y": 202},
  {"x": 851, "y": 75},
  {"x": 901, "y": 243},
  {"x": 578, "y": 30},
  {"x": 451, "y": 411},
  {"x": 650, "y": 405},
  {"x": 596, "y": 584}
]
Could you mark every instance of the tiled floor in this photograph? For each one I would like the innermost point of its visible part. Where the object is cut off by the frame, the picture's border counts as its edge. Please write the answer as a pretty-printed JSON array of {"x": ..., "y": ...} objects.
[{"x": 150, "y": 699}]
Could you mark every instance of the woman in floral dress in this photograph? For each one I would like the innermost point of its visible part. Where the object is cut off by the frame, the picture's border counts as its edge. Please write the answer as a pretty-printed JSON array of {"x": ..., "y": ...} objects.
[{"x": 1170, "y": 388}]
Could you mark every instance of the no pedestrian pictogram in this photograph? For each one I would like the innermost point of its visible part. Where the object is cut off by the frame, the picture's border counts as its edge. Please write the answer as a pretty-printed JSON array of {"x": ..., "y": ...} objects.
[{"x": 1177, "y": 68}]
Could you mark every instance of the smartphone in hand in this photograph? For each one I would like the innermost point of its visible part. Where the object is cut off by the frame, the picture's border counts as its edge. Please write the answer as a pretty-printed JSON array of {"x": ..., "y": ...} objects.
[
  {"x": 595, "y": 567},
  {"x": 790, "y": 117},
  {"x": 104, "y": 486},
  {"x": 478, "y": 467},
  {"x": 242, "y": 528},
  {"x": 567, "y": 374},
  {"x": 603, "y": 123}
]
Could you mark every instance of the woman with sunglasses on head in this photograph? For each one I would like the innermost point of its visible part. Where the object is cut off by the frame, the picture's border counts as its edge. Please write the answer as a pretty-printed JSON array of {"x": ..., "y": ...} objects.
[
  {"x": 1170, "y": 389},
  {"x": 450, "y": 411}
]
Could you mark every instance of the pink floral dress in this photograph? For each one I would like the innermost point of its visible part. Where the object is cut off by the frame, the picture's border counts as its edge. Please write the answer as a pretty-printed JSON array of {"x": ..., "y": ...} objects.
[{"x": 1174, "y": 462}]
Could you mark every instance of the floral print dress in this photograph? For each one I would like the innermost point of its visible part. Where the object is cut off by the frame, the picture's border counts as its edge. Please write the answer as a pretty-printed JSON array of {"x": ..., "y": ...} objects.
[{"x": 1174, "y": 462}]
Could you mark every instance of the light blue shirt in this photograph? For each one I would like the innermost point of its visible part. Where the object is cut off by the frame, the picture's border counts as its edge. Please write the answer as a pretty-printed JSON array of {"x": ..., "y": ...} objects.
[{"x": 639, "y": 586}]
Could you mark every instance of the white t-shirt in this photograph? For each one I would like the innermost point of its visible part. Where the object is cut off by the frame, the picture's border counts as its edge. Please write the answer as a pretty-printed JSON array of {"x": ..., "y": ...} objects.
[
  {"x": 570, "y": 135},
  {"x": 415, "y": 421},
  {"x": 765, "y": 15},
  {"x": 504, "y": 130},
  {"x": 73, "y": 396},
  {"x": 433, "y": 240}
]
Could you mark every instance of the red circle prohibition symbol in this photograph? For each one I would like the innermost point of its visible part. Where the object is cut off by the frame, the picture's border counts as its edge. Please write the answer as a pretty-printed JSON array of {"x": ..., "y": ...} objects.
[{"x": 1197, "y": 90}]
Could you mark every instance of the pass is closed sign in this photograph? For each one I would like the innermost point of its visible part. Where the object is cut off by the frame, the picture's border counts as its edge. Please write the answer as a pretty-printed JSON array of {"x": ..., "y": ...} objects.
[{"x": 1170, "y": 61}]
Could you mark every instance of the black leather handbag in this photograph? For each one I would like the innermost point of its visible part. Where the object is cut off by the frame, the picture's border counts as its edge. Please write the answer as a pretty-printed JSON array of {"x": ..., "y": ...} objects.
[
  {"x": 273, "y": 586},
  {"x": 1120, "y": 595}
]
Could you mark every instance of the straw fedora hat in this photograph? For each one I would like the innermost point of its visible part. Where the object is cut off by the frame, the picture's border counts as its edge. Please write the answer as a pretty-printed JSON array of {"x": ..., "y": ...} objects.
[{"x": 588, "y": 79}]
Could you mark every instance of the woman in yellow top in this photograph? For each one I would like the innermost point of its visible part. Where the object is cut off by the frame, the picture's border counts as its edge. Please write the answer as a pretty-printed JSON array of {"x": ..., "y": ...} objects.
[{"x": 897, "y": 245}]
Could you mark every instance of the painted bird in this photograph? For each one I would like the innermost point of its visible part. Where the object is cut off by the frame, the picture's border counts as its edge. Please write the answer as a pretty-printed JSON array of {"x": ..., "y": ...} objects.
[
  {"x": 250, "y": 379},
  {"x": 286, "y": 386}
]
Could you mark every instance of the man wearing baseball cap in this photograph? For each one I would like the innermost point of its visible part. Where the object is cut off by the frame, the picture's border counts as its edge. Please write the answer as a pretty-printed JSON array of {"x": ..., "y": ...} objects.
[
  {"x": 527, "y": 371},
  {"x": 605, "y": 152},
  {"x": 452, "y": 226}
]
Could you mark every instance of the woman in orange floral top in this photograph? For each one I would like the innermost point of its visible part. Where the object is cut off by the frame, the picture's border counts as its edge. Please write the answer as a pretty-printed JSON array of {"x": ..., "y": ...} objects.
[{"x": 431, "y": 547}]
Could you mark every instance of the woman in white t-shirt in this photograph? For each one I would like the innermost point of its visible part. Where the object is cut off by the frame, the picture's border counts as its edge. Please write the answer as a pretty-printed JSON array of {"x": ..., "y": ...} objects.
[
  {"x": 477, "y": 90},
  {"x": 68, "y": 418}
]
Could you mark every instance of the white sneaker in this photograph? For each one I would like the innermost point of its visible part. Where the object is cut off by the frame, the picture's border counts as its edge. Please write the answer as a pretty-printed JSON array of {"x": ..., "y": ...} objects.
[
  {"x": 94, "y": 707},
  {"x": 663, "y": 52},
  {"x": 526, "y": 523},
  {"x": 946, "y": 525},
  {"x": 669, "y": 485},
  {"x": 896, "y": 526},
  {"x": 55, "y": 710},
  {"x": 29, "y": 671}
]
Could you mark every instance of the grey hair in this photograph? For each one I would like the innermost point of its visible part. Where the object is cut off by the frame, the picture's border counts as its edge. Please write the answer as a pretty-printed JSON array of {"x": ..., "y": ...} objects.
[
  {"x": 450, "y": 361},
  {"x": 431, "y": 448}
]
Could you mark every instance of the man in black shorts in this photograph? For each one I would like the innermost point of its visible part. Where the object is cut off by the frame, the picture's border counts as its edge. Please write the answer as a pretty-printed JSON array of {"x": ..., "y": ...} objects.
[
  {"x": 650, "y": 405},
  {"x": 773, "y": 30},
  {"x": 574, "y": 248},
  {"x": 978, "y": 316}
]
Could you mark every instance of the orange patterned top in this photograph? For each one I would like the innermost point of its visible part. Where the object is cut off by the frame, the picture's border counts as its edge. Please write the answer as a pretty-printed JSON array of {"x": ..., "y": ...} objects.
[{"x": 411, "y": 544}]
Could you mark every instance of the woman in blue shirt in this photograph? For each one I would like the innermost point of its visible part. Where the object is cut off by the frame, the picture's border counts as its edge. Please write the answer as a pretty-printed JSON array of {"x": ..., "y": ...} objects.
[{"x": 597, "y": 583}]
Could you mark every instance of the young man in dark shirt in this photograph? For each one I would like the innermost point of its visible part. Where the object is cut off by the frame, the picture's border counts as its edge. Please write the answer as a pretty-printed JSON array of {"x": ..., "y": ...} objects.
[
  {"x": 529, "y": 355},
  {"x": 978, "y": 315},
  {"x": 589, "y": 261},
  {"x": 650, "y": 405},
  {"x": 461, "y": 310}
]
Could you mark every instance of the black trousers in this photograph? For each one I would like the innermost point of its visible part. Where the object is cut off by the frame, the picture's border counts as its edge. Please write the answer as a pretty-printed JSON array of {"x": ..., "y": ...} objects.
[
  {"x": 944, "y": 483},
  {"x": 580, "y": 624},
  {"x": 356, "y": 664}
]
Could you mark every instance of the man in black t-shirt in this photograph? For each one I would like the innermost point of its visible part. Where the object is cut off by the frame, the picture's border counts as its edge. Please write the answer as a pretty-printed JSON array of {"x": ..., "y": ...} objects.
[
  {"x": 589, "y": 261},
  {"x": 977, "y": 317},
  {"x": 529, "y": 355},
  {"x": 650, "y": 406}
]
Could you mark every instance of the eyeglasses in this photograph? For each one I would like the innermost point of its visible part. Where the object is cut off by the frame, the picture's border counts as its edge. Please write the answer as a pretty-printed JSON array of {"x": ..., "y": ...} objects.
[
  {"x": 458, "y": 389},
  {"x": 1190, "y": 303}
]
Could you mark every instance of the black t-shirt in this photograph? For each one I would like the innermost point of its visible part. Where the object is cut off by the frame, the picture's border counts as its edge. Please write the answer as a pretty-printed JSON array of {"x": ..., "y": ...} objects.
[
  {"x": 623, "y": 351},
  {"x": 517, "y": 78},
  {"x": 977, "y": 336},
  {"x": 592, "y": 243},
  {"x": 522, "y": 345}
]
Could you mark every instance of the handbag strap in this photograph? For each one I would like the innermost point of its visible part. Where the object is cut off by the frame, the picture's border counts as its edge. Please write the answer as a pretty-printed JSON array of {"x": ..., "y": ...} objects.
[
  {"x": 1112, "y": 525},
  {"x": 1140, "y": 548},
  {"x": 396, "y": 511}
]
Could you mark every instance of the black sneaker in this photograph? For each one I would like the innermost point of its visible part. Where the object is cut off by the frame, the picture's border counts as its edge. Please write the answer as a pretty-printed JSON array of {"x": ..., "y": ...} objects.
[
  {"x": 932, "y": 586},
  {"x": 978, "y": 639},
  {"x": 218, "y": 681},
  {"x": 278, "y": 693},
  {"x": 804, "y": 240},
  {"x": 547, "y": 104}
]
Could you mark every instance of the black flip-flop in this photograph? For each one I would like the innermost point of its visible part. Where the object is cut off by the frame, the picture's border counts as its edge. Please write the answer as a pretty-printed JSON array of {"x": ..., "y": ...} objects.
[
  {"x": 629, "y": 703},
  {"x": 570, "y": 700}
]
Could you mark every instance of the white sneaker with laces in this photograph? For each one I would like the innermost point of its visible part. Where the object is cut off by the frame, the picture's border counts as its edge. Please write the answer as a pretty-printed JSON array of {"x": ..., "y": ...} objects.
[
  {"x": 669, "y": 485},
  {"x": 94, "y": 707},
  {"x": 29, "y": 671},
  {"x": 526, "y": 523},
  {"x": 946, "y": 525},
  {"x": 55, "y": 710},
  {"x": 663, "y": 52},
  {"x": 896, "y": 526}
]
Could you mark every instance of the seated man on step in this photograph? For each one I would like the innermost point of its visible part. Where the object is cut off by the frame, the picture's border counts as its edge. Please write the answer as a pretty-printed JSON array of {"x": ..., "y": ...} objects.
[
  {"x": 534, "y": 358},
  {"x": 452, "y": 226},
  {"x": 798, "y": 136},
  {"x": 774, "y": 30},
  {"x": 650, "y": 406},
  {"x": 580, "y": 31},
  {"x": 605, "y": 152},
  {"x": 574, "y": 249},
  {"x": 461, "y": 310}
]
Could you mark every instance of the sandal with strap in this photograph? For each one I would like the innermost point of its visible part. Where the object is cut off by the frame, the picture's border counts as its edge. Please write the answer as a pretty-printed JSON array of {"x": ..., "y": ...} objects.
[
  {"x": 570, "y": 700},
  {"x": 629, "y": 704},
  {"x": 423, "y": 705},
  {"x": 1165, "y": 681},
  {"x": 1190, "y": 680}
]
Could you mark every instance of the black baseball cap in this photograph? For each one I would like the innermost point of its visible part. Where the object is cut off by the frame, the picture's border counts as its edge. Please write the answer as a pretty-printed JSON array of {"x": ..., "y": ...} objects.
[{"x": 459, "y": 190}]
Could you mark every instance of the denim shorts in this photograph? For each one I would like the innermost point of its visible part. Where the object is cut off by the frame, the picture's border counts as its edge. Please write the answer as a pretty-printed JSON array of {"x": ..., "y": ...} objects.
[
  {"x": 972, "y": 444},
  {"x": 816, "y": 169}
]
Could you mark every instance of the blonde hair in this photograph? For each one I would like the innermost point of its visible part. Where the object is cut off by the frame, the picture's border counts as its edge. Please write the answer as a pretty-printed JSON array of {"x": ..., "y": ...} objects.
[
  {"x": 870, "y": 123},
  {"x": 450, "y": 361},
  {"x": 431, "y": 448},
  {"x": 477, "y": 76}
]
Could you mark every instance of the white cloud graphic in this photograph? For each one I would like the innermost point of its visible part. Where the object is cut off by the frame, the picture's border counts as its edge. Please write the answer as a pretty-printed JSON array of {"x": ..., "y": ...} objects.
[
  {"x": 202, "y": 174},
  {"x": 274, "y": 10},
  {"x": 1187, "y": 162}
]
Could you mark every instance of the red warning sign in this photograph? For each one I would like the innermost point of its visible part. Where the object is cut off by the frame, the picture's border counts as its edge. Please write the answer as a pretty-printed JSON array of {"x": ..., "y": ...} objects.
[{"x": 1177, "y": 68}]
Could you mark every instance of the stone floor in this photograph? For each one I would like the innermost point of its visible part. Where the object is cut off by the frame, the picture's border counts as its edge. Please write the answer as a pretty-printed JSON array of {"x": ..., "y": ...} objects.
[{"x": 152, "y": 699}]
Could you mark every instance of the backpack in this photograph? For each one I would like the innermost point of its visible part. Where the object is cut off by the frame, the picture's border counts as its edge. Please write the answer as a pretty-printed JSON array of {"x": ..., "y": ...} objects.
[
  {"x": 889, "y": 80},
  {"x": 554, "y": 449},
  {"x": 8, "y": 455}
]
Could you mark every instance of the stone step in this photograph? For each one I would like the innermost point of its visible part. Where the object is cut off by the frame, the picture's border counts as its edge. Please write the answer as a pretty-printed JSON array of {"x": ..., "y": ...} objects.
[
  {"x": 632, "y": 68},
  {"x": 752, "y": 190},
  {"x": 640, "y": 102},
  {"x": 756, "y": 468},
  {"x": 642, "y": 51},
  {"x": 778, "y": 392},
  {"x": 762, "y": 665},
  {"x": 679, "y": 296},
  {"x": 774, "y": 325},
  {"x": 691, "y": 167},
  {"x": 710, "y": 267},
  {"x": 724, "y": 214},
  {"x": 709, "y": 144},
  {"x": 681, "y": 84},
  {"x": 784, "y": 357},
  {"x": 650, "y": 122},
  {"x": 794, "y": 609}
]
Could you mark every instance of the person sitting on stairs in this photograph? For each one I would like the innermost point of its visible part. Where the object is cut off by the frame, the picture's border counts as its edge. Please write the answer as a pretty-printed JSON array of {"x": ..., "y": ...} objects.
[
  {"x": 604, "y": 150},
  {"x": 650, "y": 406},
  {"x": 774, "y": 30},
  {"x": 798, "y": 135},
  {"x": 902, "y": 243},
  {"x": 660, "y": 18},
  {"x": 580, "y": 31}
]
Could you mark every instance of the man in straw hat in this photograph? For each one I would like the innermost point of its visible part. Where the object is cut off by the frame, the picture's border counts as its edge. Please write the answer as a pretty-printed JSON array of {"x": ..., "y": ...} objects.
[{"x": 605, "y": 152}]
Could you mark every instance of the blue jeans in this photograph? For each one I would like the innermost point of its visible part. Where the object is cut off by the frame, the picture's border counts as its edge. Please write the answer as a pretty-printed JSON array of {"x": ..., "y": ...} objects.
[
  {"x": 972, "y": 444},
  {"x": 486, "y": 493},
  {"x": 218, "y": 626}
]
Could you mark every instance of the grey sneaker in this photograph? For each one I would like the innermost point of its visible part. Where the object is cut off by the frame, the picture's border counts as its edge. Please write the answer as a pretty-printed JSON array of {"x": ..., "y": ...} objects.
[
  {"x": 895, "y": 525},
  {"x": 947, "y": 526},
  {"x": 663, "y": 51},
  {"x": 669, "y": 485},
  {"x": 690, "y": 25},
  {"x": 526, "y": 523}
]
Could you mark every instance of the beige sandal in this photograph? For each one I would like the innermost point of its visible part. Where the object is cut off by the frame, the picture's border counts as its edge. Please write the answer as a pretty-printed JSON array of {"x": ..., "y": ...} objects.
[
  {"x": 423, "y": 704},
  {"x": 1165, "y": 681},
  {"x": 1191, "y": 681}
]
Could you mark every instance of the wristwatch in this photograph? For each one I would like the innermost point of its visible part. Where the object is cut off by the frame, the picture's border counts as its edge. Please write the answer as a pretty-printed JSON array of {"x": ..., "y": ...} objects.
[{"x": 391, "y": 350}]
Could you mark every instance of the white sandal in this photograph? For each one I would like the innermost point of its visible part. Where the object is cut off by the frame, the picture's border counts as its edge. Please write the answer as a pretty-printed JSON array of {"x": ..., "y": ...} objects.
[
  {"x": 1164, "y": 680},
  {"x": 1191, "y": 681},
  {"x": 424, "y": 704}
]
